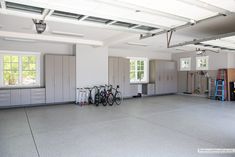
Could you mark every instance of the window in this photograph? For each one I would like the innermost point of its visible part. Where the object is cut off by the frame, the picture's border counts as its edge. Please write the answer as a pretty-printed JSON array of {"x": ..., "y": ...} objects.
[
  {"x": 185, "y": 64},
  {"x": 202, "y": 63},
  {"x": 138, "y": 70},
  {"x": 20, "y": 69}
]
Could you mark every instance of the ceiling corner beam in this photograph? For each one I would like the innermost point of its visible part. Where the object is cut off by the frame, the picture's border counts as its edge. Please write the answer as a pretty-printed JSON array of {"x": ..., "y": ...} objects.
[
  {"x": 189, "y": 24},
  {"x": 197, "y": 41}
]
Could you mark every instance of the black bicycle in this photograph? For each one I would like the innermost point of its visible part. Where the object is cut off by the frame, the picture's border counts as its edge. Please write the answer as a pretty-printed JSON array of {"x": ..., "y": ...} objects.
[
  {"x": 100, "y": 95},
  {"x": 117, "y": 95},
  {"x": 109, "y": 94}
]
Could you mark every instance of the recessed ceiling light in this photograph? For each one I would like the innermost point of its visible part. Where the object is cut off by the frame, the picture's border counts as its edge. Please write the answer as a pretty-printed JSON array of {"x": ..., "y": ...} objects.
[
  {"x": 19, "y": 40},
  {"x": 68, "y": 33},
  {"x": 137, "y": 44}
]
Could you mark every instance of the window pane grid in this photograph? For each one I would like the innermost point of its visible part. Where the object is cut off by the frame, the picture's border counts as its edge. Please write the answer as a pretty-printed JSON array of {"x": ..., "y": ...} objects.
[
  {"x": 137, "y": 70},
  {"x": 19, "y": 70}
]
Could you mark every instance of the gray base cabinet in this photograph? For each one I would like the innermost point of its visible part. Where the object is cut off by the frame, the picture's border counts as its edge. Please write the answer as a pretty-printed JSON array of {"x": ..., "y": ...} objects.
[
  {"x": 118, "y": 74},
  {"x": 22, "y": 97},
  {"x": 60, "y": 78},
  {"x": 5, "y": 98},
  {"x": 38, "y": 96},
  {"x": 148, "y": 89},
  {"x": 164, "y": 75}
]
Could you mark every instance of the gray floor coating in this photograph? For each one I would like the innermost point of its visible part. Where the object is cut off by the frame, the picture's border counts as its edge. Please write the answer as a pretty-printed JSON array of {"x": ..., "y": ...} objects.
[{"x": 164, "y": 126}]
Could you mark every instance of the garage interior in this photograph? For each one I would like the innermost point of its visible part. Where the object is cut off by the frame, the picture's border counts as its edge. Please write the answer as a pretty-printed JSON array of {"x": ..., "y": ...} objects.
[{"x": 111, "y": 78}]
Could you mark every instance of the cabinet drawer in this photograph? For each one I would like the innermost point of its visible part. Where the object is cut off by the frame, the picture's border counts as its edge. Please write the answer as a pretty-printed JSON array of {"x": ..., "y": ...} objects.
[
  {"x": 25, "y": 96},
  {"x": 5, "y": 97},
  {"x": 38, "y": 96},
  {"x": 15, "y": 97}
]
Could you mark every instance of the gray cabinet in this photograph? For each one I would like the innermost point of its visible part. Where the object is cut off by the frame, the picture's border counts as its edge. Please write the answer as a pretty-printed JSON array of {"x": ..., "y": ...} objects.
[
  {"x": 133, "y": 90},
  {"x": 25, "y": 96},
  {"x": 38, "y": 96},
  {"x": 50, "y": 78},
  {"x": 148, "y": 89},
  {"x": 164, "y": 75},
  {"x": 60, "y": 77},
  {"x": 22, "y": 97},
  {"x": 5, "y": 98},
  {"x": 15, "y": 97},
  {"x": 118, "y": 74}
]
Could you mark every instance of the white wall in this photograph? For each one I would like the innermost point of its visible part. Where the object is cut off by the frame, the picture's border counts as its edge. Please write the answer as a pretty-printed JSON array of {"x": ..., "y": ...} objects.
[
  {"x": 91, "y": 65},
  {"x": 216, "y": 60},
  {"x": 134, "y": 53}
]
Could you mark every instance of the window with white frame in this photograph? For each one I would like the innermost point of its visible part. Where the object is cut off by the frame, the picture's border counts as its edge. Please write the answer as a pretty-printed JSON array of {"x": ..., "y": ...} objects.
[
  {"x": 185, "y": 64},
  {"x": 138, "y": 70},
  {"x": 19, "y": 69},
  {"x": 202, "y": 63}
]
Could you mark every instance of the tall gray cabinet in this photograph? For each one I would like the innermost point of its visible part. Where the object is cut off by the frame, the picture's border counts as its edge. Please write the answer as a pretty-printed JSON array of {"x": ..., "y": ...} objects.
[
  {"x": 60, "y": 78},
  {"x": 164, "y": 75},
  {"x": 119, "y": 74}
]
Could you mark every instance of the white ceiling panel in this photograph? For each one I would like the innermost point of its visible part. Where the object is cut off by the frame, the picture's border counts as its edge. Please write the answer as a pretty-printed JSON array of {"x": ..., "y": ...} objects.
[
  {"x": 173, "y": 7},
  {"x": 225, "y": 4}
]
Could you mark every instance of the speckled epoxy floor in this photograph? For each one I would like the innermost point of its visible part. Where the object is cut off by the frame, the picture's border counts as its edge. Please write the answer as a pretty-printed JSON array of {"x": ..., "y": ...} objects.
[{"x": 164, "y": 126}]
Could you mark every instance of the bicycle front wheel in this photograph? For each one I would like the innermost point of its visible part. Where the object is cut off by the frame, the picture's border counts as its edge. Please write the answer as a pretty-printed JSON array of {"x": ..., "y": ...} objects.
[
  {"x": 103, "y": 98},
  {"x": 110, "y": 99},
  {"x": 118, "y": 98}
]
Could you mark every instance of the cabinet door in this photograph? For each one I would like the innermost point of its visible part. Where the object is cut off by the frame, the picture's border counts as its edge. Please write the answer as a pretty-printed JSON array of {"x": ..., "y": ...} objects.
[
  {"x": 15, "y": 97},
  {"x": 49, "y": 78},
  {"x": 159, "y": 78},
  {"x": 111, "y": 70},
  {"x": 115, "y": 72},
  {"x": 175, "y": 78},
  {"x": 66, "y": 80},
  {"x": 5, "y": 98},
  {"x": 126, "y": 80},
  {"x": 58, "y": 79},
  {"x": 121, "y": 74},
  {"x": 72, "y": 78},
  {"x": 25, "y": 96},
  {"x": 38, "y": 96}
]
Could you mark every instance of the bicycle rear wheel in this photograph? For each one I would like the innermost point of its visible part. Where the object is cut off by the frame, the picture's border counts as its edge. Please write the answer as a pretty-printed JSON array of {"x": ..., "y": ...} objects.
[
  {"x": 110, "y": 99},
  {"x": 103, "y": 98},
  {"x": 97, "y": 99},
  {"x": 118, "y": 98}
]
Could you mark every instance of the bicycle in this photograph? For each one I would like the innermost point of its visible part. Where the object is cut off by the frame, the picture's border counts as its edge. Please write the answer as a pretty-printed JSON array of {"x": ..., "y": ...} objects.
[
  {"x": 90, "y": 99},
  {"x": 117, "y": 95},
  {"x": 100, "y": 95},
  {"x": 109, "y": 95}
]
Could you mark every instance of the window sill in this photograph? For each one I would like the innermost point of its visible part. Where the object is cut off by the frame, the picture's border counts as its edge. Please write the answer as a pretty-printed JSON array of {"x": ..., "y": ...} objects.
[
  {"x": 19, "y": 87},
  {"x": 136, "y": 83}
]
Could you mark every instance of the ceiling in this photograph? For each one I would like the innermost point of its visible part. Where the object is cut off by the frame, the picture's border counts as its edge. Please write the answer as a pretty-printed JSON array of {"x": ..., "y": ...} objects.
[{"x": 119, "y": 23}]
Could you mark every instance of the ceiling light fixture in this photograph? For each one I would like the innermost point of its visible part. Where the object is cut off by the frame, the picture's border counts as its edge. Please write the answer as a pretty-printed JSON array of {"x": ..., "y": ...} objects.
[
  {"x": 137, "y": 44},
  {"x": 67, "y": 33},
  {"x": 18, "y": 40}
]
